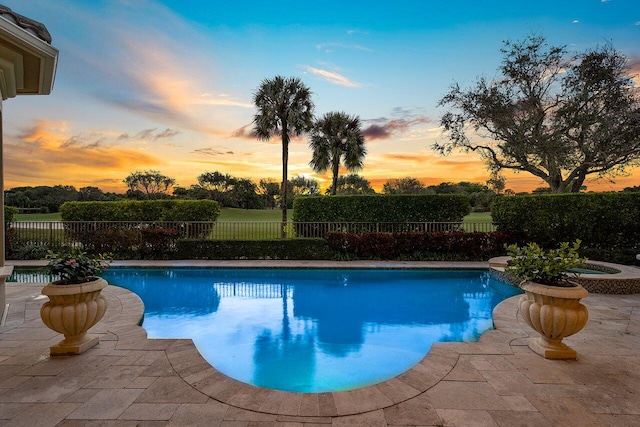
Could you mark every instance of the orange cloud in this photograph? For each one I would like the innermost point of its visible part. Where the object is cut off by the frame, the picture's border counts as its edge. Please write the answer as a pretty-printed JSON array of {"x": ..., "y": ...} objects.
[{"x": 46, "y": 155}]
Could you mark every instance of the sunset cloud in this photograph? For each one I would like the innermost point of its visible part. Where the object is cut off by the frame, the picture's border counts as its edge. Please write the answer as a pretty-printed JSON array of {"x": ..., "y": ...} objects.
[
  {"x": 383, "y": 128},
  {"x": 332, "y": 77},
  {"x": 45, "y": 149}
]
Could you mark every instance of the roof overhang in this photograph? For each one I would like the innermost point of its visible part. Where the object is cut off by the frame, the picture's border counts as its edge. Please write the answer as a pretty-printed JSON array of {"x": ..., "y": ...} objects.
[{"x": 27, "y": 63}]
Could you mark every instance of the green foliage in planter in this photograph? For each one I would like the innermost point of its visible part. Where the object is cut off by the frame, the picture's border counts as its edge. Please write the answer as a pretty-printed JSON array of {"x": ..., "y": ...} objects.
[
  {"x": 76, "y": 266},
  {"x": 254, "y": 249},
  {"x": 602, "y": 221},
  {"x": 549, "y": 267},
  {"x": 145, "y": 210}
]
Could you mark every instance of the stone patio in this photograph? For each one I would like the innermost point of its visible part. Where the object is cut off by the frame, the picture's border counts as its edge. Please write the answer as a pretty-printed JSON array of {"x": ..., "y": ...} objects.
[{"x": 129, "y": 380}]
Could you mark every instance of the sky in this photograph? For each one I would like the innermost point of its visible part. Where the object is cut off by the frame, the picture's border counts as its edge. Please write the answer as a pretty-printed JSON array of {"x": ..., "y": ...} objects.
[{"x": 167, "y": 85}]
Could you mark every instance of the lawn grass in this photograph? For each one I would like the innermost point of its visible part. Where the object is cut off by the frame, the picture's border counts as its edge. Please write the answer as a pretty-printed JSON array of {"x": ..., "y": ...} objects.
[
  {"x": 478, "y": 217},
  {"x": 39, "y": 217}
]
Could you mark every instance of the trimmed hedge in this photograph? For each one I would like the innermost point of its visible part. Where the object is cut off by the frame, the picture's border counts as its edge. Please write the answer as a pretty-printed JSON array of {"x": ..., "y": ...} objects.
[
  {"x": 392, "y": 208},
  {"x": 309, "y": 249},
  {"x": 457, "y": 245},
  {"x": 9, "y": 215},
  {"x": 145, "y": 210},
  {"x": 382, "y": 208},
  {"x": 608, "y": 224}
]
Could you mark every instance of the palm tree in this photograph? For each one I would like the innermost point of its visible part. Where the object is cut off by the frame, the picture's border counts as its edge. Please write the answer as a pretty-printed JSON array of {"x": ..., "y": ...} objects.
[
  {"x": 284, "y": 109},
  {"x": 337, "y": 137}
]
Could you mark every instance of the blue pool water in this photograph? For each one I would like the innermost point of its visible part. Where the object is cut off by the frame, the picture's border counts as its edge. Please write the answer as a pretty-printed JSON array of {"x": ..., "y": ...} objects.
[{"x": 314, "y": 330}]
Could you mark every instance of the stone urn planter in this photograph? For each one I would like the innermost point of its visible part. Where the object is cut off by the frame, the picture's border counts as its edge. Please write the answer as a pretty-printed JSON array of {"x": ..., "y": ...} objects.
[
  {"x": 551, "y": 303},
  {"x": 72, "y": 310},
  {"x": 555, "y": 313}
]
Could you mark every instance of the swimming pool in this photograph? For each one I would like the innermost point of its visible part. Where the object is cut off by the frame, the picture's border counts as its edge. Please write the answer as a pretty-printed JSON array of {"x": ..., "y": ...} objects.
[{"x": 313, "y": 330}]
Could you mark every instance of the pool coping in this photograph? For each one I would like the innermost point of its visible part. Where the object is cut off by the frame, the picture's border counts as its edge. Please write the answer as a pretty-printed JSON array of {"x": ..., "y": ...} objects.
[{"x": 438, "y": 362}]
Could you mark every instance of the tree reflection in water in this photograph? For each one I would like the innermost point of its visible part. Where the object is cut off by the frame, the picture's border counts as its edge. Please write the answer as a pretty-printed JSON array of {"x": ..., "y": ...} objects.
[{"x": 319, "y": 330}]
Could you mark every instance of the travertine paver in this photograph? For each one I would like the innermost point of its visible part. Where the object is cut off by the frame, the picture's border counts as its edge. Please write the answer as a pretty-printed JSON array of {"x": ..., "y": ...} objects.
[{"x": 130, "y": 380}]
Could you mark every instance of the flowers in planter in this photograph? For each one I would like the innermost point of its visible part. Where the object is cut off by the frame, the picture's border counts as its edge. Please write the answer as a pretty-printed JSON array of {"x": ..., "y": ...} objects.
[
  {"x": 548, "y": 267},
  {"x": 76, "y": 266}
]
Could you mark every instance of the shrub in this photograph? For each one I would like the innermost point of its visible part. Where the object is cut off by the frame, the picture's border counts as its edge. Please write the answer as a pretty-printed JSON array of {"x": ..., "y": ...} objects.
[
  {"x": 254, "y": 249},
  {"x": 439, "y": 245},
  {"x": 146, "y": 210},
  {"x": 393, "y": 208},
  {"x": 604, "y": 222},
  {"x": 9, "y": 215}
]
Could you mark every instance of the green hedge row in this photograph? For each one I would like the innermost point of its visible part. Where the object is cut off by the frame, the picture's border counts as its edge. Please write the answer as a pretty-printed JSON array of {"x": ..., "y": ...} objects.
[
  {"x": 382, "y": 208},
  {"x": 308, "y": 249},
  {"x": 606, "y": 223},
  {"x": 146, "y": 210},
  {"x": 450, "y": 246}
]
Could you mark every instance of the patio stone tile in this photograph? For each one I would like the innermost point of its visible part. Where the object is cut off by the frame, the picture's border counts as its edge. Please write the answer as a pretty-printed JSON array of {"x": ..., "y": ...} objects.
[
  {"x": 159, "y": 368},
  {"x": 273, "y": 402},
  {"x": 142, "y": 382},
  {"x": 466, "y": 418},
  {"x": 290, "y": 419},
  {"x": 43, "y": 414},
  {"x": 309, "y": 405},
  {"x": 565, "y": 411},
  {"x": 291, "y": 404},
  {"x": 418, "y": 411},
  {"x": 396, "y": 390},
  {"x": 369, "y": 398},
  {"x": 11, "y": 410},
  {"x": 370, "y": 419},
  {"x": 520, "y": 419},
  {"x": 464, "y": 370},
  {"x": 248, "y": 397},
  {"x": 89, "y": 366},
  {"x": 210, "y": 413},
  {"x": 44, "y": 389},
  {"x": 171, "y": 390},
  {"x": 14, "y": 381},
  {"x": 237, "y": 414},
  {"x": 344, "y": 403},
  {"x": 465, "y": 395},
  {"x": 50, "y": 366},
  {"x": 107, "y": 404},
  {"x": 509, "y": 383},
  {"x": 82, "y": 395},
  {"x": 110, "y": 423},
  {"x": 519, "y": 404},
  {"x": 615, "y": 420},
  {"x": 115, "y": 377},
  {"x": 149, "y": 411},
  {"x": 326, "y": 405}
]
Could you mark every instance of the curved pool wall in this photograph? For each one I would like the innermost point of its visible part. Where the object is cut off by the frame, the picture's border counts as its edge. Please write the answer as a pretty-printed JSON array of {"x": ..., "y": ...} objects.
[{"x": 314, "y": 330}]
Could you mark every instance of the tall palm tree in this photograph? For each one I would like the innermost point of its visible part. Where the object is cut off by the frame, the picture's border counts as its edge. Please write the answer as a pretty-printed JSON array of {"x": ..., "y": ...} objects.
[
  {"x": 284, "y": 109},
  {"x": 337, "y": 137}
]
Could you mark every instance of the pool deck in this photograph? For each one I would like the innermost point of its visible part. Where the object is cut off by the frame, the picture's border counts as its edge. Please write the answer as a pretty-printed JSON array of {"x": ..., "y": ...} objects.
[{"x": 129, "y": 380}]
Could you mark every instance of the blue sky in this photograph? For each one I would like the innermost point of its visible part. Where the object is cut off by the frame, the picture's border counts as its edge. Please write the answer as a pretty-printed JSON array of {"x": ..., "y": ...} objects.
[{"x": 167, "y": 85}]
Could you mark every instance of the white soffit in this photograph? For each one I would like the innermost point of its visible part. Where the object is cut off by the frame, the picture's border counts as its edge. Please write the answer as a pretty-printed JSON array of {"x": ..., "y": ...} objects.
[{"x": 28, "y": 64}]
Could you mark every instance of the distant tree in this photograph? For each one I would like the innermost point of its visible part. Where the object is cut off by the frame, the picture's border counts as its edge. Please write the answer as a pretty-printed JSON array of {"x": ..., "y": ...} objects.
[
  {"x": 407, "y": 185},
  {"x": 151, "y": 184},
  {"x": 303, "y": 186},
  {"x": 635, "y": 189},
  {"x": 269, "y": 189},
  {"x": 353, "y": 184},
  {"x": 542, "y": 190},
  {"x": 557, "y": 117},
  {"x": 46, "y": 198},
  {"x": 480, "y": 196},
  {"x": 244, "y": 194},
  {"x": 496, "y": 182},
  {"x": 337, "y": 138},
  {"x": 285, "y": 109},
  {"x": 88, "y": 194},
  {"x": 219, "y": 185}
]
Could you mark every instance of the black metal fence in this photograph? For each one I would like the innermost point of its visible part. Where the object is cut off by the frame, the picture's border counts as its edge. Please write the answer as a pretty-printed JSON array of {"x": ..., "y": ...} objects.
[{"x": 102, "y": 235}]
